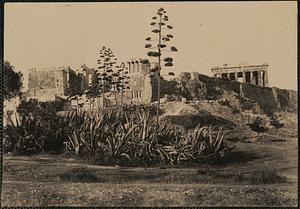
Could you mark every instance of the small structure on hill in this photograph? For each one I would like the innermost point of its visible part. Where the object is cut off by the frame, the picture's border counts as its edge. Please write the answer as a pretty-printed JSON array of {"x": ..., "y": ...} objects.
[{"x": 251, "y": 74}]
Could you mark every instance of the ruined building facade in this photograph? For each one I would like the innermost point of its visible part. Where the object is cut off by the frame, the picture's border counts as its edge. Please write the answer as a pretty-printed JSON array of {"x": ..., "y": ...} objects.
[
  {"x": 48, "y": 84},
  {"x": 141, "y": 83},
  {"x": 250, "y": 74}
]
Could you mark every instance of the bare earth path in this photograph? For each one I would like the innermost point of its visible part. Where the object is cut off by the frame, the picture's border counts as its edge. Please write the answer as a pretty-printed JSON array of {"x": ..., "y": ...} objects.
[{"x": 33, "y": 181}]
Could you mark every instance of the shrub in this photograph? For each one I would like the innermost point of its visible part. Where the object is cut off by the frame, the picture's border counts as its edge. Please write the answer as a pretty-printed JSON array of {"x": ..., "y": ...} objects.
[
  {"x": 37, "y": 129},
  {"x": 275, "y": 122},
  {"x": 121, "y": 135},
  {"x": 257, "y": 126},
  {"x": 204, "y": 144},
  {"x": 118, "y": 136}
]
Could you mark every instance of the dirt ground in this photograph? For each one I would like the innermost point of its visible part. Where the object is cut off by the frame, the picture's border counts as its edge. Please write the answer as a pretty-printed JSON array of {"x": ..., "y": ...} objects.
[{"x": 34, "y": 181}]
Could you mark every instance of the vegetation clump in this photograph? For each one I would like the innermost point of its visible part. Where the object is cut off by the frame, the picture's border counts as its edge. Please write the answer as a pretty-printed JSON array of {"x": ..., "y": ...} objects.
[{"x": 121, "y": 135}]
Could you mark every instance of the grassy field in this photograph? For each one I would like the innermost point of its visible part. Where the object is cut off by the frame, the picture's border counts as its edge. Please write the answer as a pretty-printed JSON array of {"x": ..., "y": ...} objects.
[{"x": 260, "y": 172}]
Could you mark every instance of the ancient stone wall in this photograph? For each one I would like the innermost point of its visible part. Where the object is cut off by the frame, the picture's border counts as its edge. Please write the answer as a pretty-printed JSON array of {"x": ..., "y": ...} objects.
[
  {"x": 140, "y": 89},
  {"x": 44, "y": 84}
]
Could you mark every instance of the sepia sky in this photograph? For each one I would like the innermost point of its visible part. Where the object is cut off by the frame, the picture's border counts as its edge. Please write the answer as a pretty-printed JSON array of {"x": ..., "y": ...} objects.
[{"x": 206, "y": 34}]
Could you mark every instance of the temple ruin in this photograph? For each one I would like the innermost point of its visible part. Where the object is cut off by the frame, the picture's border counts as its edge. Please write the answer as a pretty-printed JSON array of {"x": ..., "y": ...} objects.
[{"x": 251, "y": 74}]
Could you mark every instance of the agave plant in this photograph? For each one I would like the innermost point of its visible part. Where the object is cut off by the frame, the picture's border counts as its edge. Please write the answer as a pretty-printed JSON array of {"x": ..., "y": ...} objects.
[
  {"x": 26, "y": 135},
  {"x": 128, "y": 135},
  {"x": 204, "y": 144}
]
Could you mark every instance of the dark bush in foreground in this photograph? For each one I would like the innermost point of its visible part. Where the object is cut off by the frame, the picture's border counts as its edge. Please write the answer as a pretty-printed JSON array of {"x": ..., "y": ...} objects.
[{"x": 37, "y": 129}]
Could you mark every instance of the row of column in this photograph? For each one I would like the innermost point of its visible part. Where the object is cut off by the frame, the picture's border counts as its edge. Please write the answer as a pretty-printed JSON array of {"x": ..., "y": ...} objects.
[
  {"x": 133, "y": 66},
  {"x": 259, "y": 77},
  {"x": 136, "y": 94}
]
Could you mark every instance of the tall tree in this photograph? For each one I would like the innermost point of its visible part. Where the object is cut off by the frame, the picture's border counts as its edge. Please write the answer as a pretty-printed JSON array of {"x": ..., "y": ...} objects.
[
  {"x": 160, "y": 28},
  {"x": 122, "y": 80},
  {"x": 105, "y": 71},
  {"x": 12, "y": 81}
]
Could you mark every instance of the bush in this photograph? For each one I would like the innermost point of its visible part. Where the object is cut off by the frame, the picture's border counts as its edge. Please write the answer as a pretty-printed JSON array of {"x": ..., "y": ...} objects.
[
  {"x": 37, "y": 129},
  {"x": 275, "y": 122},
  {"x": 257, "y": 126},
  {"x": 121, "y": 135},
  {"x": 127, "y": 137}
]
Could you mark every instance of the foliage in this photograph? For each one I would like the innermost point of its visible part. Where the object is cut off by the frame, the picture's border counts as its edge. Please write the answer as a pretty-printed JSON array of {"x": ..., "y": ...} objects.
[
  {"x": 257, "y": 126},
  {"x": 205, "y": 144},
  {"x": 124, "y": 136},
  {"x": 12, "y": 81},
  {"x": 37, "y": 128},
  {"x": 31, "y": 135},
  {"x": 276, "y": 122},
  {"x": 35, "y": 108},
  {"x": 159, "y": 23},
  {"x": 105, "y": 74}
]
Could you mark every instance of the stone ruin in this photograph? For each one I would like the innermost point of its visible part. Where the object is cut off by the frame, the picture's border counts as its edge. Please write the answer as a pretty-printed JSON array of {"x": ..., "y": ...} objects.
[{"x": 250, "y": 74}]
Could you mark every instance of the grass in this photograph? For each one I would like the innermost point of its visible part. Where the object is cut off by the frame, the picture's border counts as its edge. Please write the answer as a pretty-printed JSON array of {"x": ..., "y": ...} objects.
[
  {"x": 259, "y": 176},
  {"x": 78, "y": 175},
  {"x": 205, "y": 176}
]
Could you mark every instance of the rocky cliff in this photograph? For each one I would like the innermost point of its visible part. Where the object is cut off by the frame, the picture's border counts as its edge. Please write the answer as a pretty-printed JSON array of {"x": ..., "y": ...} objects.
[{"x": 269, "y": 99}]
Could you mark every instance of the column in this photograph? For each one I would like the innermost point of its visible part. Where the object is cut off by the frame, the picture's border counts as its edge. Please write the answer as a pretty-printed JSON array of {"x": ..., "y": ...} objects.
[
  {"x": 235, "y": 76},
  {"x": 244, "y": 77},
  {"x": 266, "y": 80},
  {"x": 133, "y": 67},
  {"x": 251, "y": 77},
  {"x": 129, "y": 67},
  {"x": 137, "y": 66},
  {"x": 259, "y": 78}
]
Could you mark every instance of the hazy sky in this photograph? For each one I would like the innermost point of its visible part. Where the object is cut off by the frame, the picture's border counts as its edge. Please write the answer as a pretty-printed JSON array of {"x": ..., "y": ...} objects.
[{"x": 206, "y": 34}]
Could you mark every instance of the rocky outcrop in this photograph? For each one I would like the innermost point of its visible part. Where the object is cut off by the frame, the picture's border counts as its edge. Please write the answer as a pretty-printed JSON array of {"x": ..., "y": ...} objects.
[{"x": 269, "y": 99}]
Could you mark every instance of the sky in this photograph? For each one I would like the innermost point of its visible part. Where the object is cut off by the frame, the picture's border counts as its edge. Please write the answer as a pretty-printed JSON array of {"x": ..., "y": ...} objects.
[{"x": 206, "y": 34}]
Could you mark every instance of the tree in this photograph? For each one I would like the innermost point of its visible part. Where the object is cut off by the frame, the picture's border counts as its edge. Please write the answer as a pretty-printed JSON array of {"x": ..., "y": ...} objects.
[
  {"x": 12, "y": 81},
  {"x": 105, "y": 72},
  {"x": 257, "y": 126},
  {"x": 160, "y": 27},
  {"x": 122, "y": 80}
]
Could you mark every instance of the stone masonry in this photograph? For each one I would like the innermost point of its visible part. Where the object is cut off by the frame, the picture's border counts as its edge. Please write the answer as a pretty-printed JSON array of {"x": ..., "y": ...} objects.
[{"x": 47, "y": 84}]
